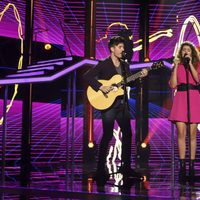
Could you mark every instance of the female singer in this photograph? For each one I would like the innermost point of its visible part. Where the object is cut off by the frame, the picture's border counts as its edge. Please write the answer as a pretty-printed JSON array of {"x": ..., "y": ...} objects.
[{"x": 187, "y": 59}]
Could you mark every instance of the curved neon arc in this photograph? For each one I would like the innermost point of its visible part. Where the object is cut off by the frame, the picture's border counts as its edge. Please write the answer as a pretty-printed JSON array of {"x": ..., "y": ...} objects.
[{"x": 191, "y": 19}]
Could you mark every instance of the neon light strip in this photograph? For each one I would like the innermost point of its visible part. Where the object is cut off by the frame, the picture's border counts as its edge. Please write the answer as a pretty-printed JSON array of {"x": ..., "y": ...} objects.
[
  {"x": 148, "y": 64},
  {"x": 55, "y": 60},
  {"x": 49, "y": 78},
  {"x": 25, "y": 74},
  {"x": 108, "y": 28},
  {"x": 192, "y": 19},
  {"x": 36, "y": 69},
  {"x": 42, "y": 65},
  {"x": 20, "y": 34},
  {"x": 153, "y": 37},
  {"x": 68, "y": 70}
]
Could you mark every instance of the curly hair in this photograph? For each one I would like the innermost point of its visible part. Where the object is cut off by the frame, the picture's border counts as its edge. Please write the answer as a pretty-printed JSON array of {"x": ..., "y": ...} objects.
[{"x": 194, "y": 54}]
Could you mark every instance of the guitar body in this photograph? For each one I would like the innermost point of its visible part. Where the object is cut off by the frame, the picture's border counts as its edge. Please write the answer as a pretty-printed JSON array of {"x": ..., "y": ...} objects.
[{"x": 102, "y": 101}]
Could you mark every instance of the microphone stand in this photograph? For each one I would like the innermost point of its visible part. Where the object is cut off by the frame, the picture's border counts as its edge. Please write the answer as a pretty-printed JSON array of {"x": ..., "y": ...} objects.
[
  {"x": 126, "y": 106},
  {"x": 134, "y": 174},
  {"x": 186, "y": 65},
  {"x": 125, "y": 97}
]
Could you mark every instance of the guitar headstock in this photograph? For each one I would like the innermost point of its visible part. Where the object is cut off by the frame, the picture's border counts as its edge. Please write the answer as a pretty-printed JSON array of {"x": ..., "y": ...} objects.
[{"x": 157, "y": 65}]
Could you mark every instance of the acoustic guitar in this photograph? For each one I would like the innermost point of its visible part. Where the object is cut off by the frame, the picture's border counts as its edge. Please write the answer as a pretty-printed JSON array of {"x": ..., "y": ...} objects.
[{"x": 101, "y": 100}]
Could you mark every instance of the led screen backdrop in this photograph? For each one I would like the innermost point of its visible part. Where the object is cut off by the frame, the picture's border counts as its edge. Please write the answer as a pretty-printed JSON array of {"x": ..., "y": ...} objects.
[{"x": 63, "y": 22}]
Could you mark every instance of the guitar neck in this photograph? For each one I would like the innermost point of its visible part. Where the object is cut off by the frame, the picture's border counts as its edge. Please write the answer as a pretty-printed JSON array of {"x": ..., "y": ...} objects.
[
  {"x": 155, "y": 65},
  {"x": 135, "y": 76}
]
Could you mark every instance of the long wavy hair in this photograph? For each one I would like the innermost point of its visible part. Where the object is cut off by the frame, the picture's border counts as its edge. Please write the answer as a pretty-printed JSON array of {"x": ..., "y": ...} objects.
[{"x": 195, "y": 53}]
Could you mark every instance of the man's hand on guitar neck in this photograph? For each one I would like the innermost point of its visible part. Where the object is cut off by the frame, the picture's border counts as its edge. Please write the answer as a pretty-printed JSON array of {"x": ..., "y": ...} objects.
[
  {"x": 106, "y": 89},
  {"x": 144, "y": 73}
]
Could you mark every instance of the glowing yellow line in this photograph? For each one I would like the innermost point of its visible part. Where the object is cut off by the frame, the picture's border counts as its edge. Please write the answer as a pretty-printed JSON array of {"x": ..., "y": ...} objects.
[
  {"x": 152, "y": 38},
  {"x": 20, "y": 33},
  {"x": 155, "y": 36},
  {"x": 108, "y": 28}
]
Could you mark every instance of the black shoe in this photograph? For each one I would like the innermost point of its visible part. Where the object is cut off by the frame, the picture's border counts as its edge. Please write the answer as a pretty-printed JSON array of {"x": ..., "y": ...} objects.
[
  {"x": 130, "y": 173},
  {"x": 182, "y": 171},
  {"x": 126, "y": 170},
  {"x": 191, "y": 172}
]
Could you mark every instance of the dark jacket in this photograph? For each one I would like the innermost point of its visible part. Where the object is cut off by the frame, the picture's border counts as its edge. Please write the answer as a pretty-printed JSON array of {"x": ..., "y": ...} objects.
[{"x": 104, "y": 70}]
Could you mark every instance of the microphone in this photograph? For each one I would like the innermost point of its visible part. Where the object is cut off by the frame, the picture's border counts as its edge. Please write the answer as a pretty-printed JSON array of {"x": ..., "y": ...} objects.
[
  {"x": 123, "y": 55},
  {"x": 186, "y": 59},
  {"x": 123, "y": 58}
]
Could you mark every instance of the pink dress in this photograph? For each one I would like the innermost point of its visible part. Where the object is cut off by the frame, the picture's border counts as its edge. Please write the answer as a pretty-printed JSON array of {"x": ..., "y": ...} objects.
[{"x": 179, "y": 106}]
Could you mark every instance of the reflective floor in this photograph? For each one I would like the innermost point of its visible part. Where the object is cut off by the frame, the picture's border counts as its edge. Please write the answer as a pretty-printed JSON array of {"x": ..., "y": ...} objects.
[
  {"x": 158, "y": 183},
  {"x": 58, "y": 171}
]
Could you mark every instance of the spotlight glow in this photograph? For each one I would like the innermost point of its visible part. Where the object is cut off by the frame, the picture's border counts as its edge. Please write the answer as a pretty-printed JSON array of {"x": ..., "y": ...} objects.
[
  {"x": 47, "y": 46},
  {"x": 90, "y": 144},
  {"x": 143, "y": 145}
]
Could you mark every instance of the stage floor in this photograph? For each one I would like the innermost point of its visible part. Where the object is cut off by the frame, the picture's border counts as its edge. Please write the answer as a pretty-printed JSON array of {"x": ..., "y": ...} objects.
[
  {"x": 55, "y": 175},
  {"x": 160, "y": 183}
]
